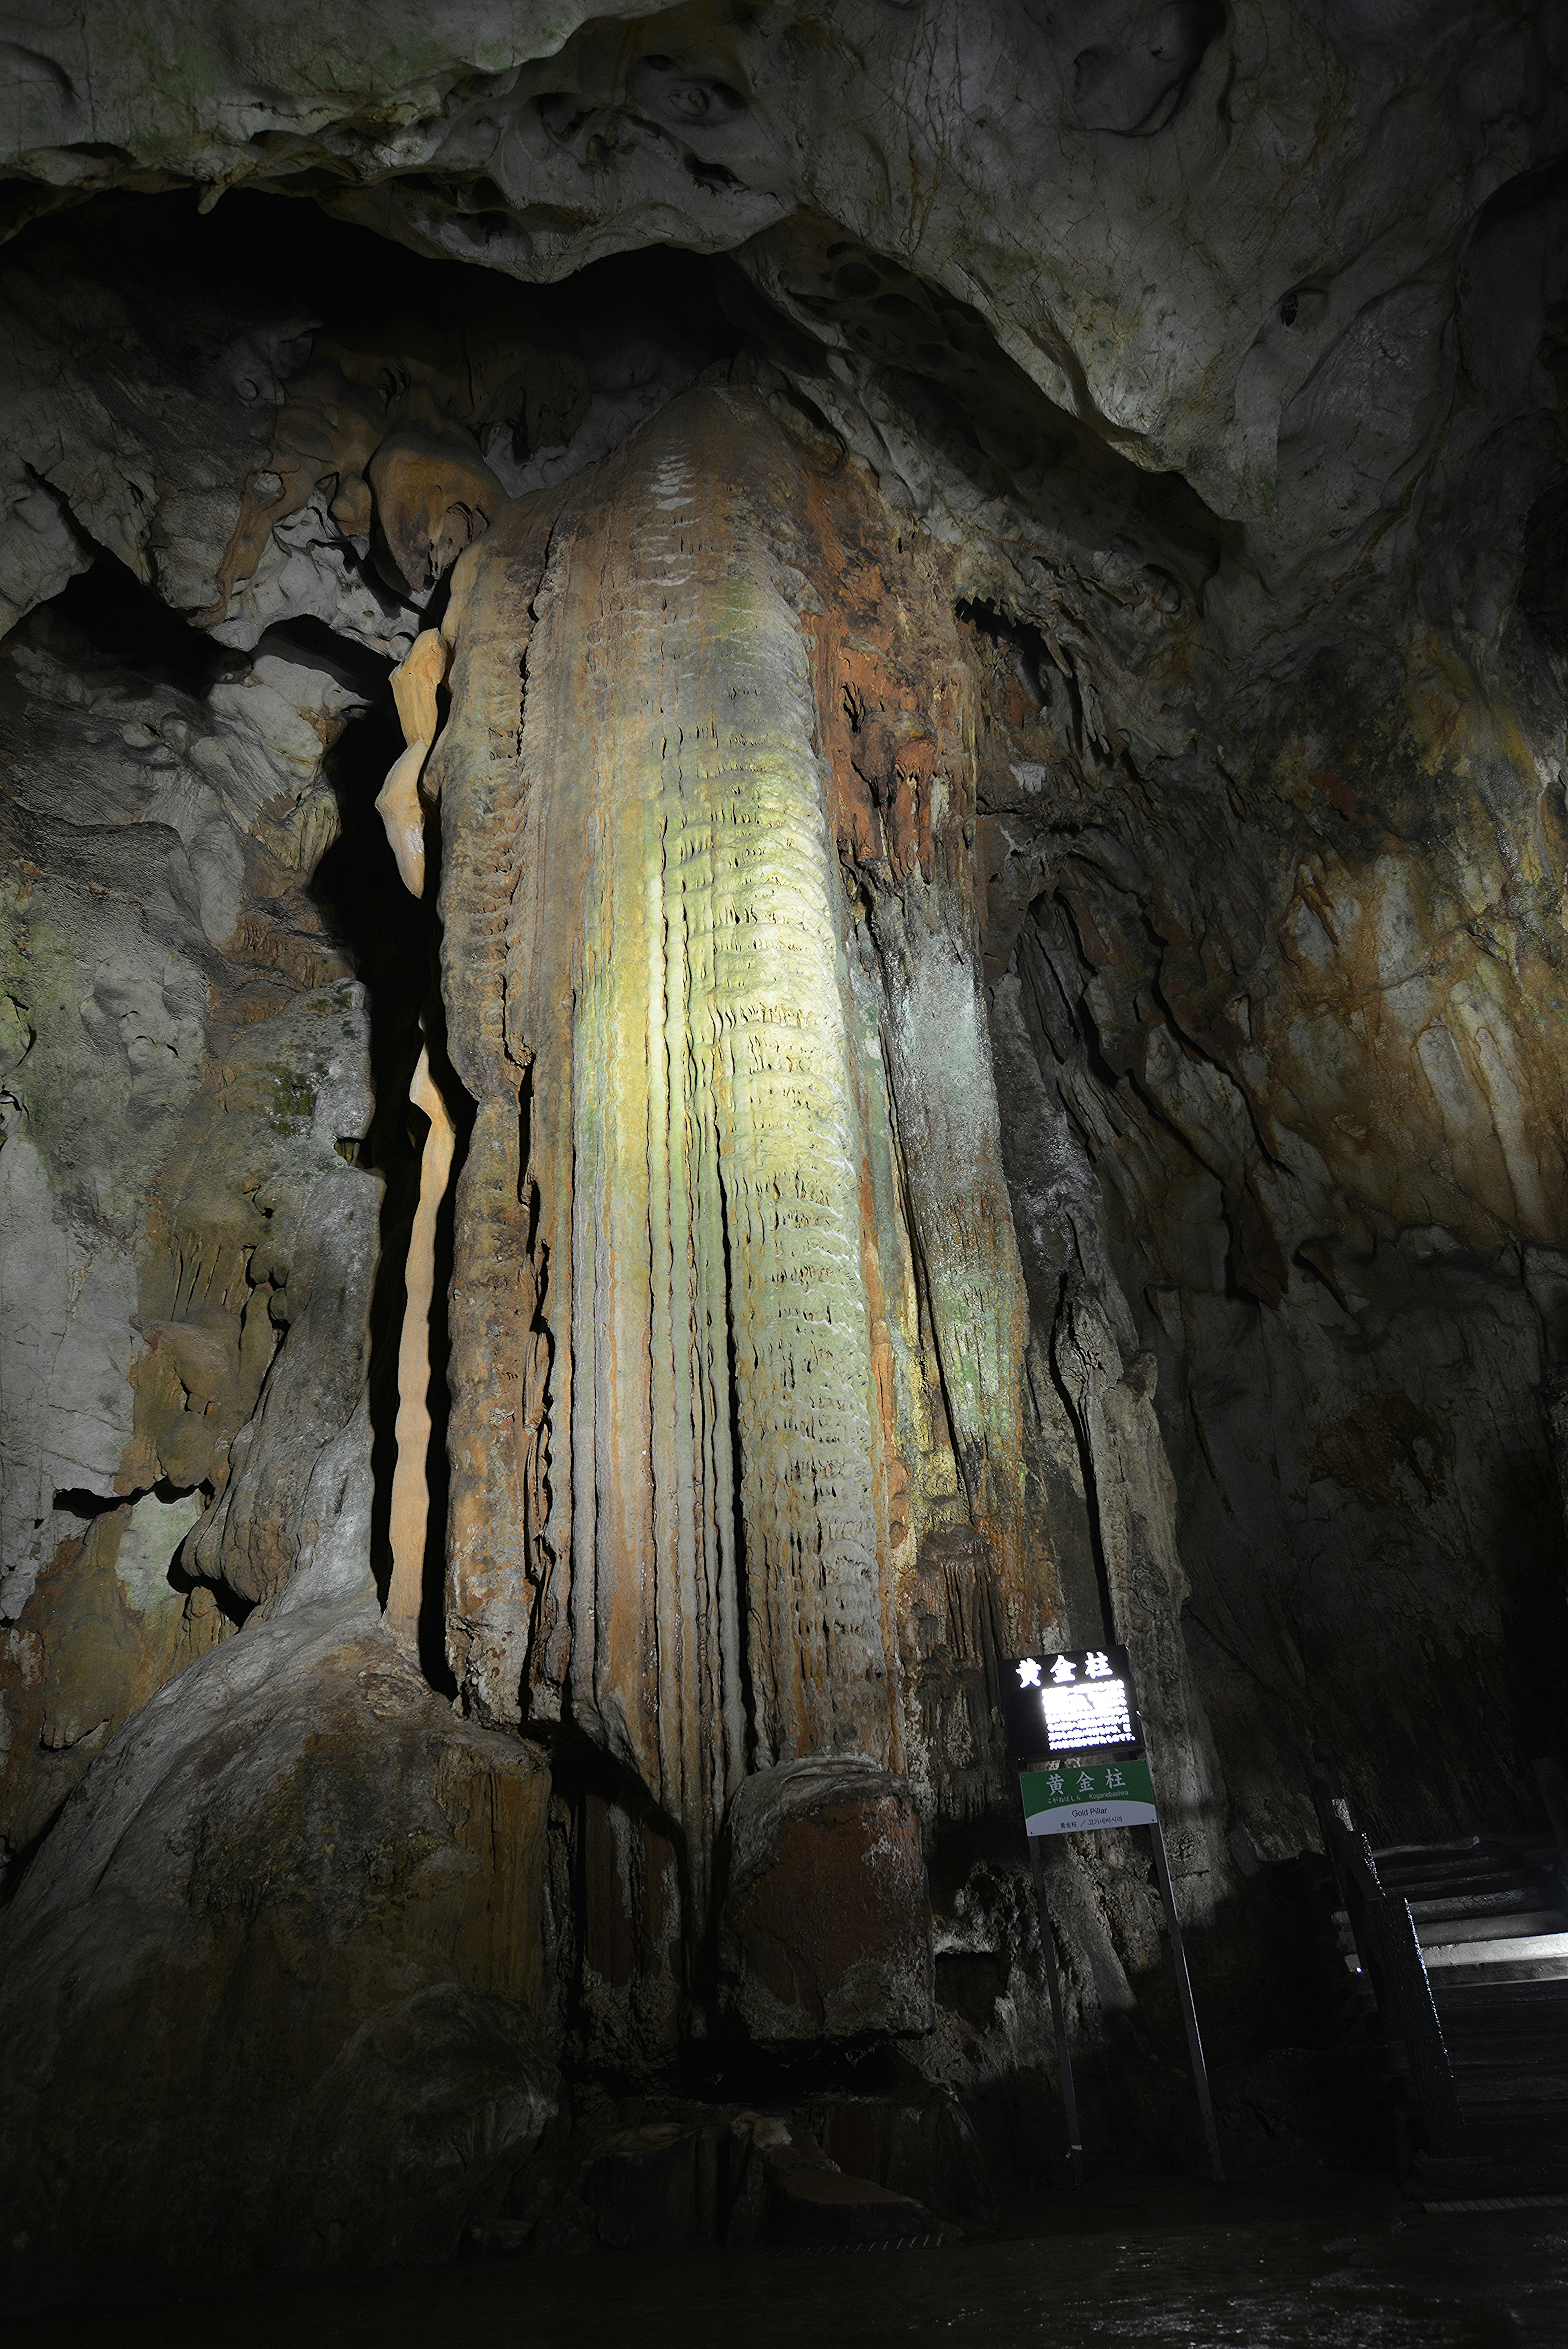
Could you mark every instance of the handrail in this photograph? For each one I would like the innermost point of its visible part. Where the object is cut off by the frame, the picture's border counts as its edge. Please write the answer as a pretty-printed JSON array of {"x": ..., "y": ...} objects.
[
  {"x": 1390, "y": 1949},
  {"x": 1554, "y": 1785}
]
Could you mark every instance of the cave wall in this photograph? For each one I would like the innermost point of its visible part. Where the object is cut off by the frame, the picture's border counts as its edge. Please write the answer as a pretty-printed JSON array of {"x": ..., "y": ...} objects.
[
  {"x": 926, "y": 1019},
  {"x": 188, "y": 1059},
  {"x": 1344, "y": 1079}
]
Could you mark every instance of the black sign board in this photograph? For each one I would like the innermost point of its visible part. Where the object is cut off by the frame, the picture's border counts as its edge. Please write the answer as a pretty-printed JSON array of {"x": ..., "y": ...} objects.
[
  {"x": 1071, "y": 1700},
  {"x": 1076, "y": 1735}
]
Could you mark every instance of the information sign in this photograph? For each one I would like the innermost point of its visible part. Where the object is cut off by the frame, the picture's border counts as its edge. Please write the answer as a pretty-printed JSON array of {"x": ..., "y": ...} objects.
[
  {"x": 1075, "y": 1737},
  {"x": 1079, "y": 1798},
  {"x": 1071, "y": 1700}
]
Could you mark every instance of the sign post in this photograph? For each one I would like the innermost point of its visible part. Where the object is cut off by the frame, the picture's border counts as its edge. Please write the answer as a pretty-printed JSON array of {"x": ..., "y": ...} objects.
[
  {"x": 1075, "y": 1736},
  {"x": 1058, "y": 2017}
]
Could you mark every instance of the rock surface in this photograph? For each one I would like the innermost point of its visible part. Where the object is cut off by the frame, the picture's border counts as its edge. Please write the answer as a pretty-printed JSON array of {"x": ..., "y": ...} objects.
[
  {"x": 825, "y": 1928},
  {"x": 300, "y": 1912},
  {"x": 970, "y": 1059},
  {"x": 734, "y": 1430},
  {"x": 187, "y": 1048}
]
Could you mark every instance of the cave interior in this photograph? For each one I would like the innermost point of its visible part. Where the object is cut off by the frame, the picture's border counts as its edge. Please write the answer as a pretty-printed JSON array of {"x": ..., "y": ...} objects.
[{"x": 785, "y": 872}]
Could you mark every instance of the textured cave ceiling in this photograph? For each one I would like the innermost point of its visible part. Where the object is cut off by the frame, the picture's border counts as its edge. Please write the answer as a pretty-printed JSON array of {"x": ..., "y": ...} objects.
[{"x": 1047, "y": 524}]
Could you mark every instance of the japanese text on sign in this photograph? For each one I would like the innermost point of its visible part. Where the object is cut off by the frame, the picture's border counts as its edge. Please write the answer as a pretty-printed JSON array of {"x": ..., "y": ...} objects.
[
  {"x": 1072, "y": 1701},
  {"x": 1079, "y": 1800}
]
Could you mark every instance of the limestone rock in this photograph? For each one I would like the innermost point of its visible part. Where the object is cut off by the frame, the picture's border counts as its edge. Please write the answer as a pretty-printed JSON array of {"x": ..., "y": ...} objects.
[
  {"x": 1292, "y": 366},
  {"x": 347, "y": 1887},
  {"x": 818, "y": 2210},
  {"x": 297, "y": 1493},
  {"x": 740, "y": 2176},
  {"x": 832, "y": 1269},
  {"x": 826, "y": 1928},
  {"x": 180, "y": 1075},
  {"x": 645, "y": 2186},
  {"x": 129, "y": 422}
]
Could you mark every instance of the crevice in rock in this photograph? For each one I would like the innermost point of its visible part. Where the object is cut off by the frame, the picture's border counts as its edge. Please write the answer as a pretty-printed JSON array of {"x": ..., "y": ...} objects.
[
  {"x": 84, "y": 1505},
  {"x": 129, "y": 624},
  {"x": 744, "y": 1597},
  {"x": 392, "y": 936}
]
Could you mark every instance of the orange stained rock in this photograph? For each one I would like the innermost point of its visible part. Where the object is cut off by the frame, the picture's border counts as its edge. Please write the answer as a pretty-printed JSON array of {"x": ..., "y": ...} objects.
[
  {"x": 390, "y": 429},
  {"x": 410, "y": 1483},
  {"x": 434, "y": 495},
  {"x": 398, "y": 802},
  {"x": 737, "y": 1313}
]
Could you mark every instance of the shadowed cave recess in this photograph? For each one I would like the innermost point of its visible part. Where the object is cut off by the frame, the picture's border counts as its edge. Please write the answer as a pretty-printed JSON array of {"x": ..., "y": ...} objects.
[{"x": 785, "y": 860}]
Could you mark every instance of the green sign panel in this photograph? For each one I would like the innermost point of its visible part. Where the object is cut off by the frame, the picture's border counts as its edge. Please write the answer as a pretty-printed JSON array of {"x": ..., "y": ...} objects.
[{"x": 1076, "y": 1798}]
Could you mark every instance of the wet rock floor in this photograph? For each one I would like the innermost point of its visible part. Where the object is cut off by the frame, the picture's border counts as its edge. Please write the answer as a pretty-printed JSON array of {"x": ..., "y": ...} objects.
[{"x": 1321, "y": 2264}]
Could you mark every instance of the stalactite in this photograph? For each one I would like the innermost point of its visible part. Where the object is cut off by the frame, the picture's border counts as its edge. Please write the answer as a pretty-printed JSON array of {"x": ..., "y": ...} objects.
[
  {"x": 414, "y": 684},
  {"x": 409, "y": 1529}
]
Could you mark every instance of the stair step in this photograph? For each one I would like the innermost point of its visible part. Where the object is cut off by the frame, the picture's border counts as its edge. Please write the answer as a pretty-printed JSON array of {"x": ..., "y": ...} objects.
[
  {"x": 1462, "y": 2176},
  {"x": 1495, "y": 2051},
  {"x": 1518, "y": 2051},
  {"x": 1476, "y": 1904},
  {"x": 1428, "y": 1886},
  {"x": 1406, "y": 1852},
  {"x": 1546, "y": 2006},
  {"x": 1517, "y": 2092},
  {"x": 1449, "y": 1932},
  {"x": 1472, "y": 2031},
  {"x": 1515, "y": 2133},
  {"x": 1446, "y": 1862},
  {"x": 1534, "y": 1958}
]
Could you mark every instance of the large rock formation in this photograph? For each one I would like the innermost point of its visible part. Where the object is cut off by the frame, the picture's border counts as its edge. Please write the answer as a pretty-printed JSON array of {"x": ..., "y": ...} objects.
[{"x": 785, "y": 866}]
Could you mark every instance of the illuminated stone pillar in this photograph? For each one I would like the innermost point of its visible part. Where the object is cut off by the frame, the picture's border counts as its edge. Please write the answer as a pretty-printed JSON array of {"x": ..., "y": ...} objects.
[{"x": 706, "y": 1366}]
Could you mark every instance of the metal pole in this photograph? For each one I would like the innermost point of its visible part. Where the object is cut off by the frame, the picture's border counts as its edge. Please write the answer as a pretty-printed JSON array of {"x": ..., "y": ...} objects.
[
  {"x": 1058, "y": 2015},
  {"x": 1188, "y": 2011}
]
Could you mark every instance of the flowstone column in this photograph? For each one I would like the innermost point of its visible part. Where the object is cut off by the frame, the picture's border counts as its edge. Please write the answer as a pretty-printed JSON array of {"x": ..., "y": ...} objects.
[
  {"x": 679, "y": 1145},
  {"x": 698, "y": 1336}
]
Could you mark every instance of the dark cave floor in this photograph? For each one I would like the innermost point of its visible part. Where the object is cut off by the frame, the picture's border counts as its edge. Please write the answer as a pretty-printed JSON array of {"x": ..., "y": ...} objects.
[{"x": 1276, "y": 2262}]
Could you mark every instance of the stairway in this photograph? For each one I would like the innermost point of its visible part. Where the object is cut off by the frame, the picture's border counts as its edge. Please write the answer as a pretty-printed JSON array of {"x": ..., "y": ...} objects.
[
  {"x": 1490, "y": 1918},
  {"x": 1492, "y": 1925}
]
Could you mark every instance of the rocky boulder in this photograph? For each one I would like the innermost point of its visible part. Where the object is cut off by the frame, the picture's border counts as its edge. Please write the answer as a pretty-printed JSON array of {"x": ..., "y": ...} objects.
[
  {"x": 826, "y": 1930},
  {"x": 272, "y": 1994}
]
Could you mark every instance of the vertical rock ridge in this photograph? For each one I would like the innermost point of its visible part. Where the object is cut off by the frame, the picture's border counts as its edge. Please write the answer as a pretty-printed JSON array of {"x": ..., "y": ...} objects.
[
  {"x": 410, "y": 1519},
  {"x": 501, "y": 1353},
  {"x": 676, "y": 985},
  {"x": 897, "y": 695},
  {"x": 712, "y": 971}
]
